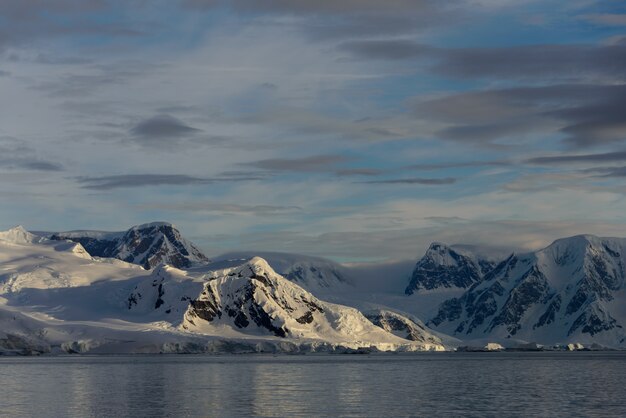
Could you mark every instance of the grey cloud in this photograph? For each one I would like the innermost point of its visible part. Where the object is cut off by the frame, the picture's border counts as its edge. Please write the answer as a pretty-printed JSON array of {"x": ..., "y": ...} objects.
[
  {"x": 82, "y": 85},
  {"x": 410, "y": 243},
  {"x": 606, "y": 19},
  {"x": 387, "y": 49},
  {"x": 60, "y": 60},
  {"x": 144, "y": 180},
  {"x": 241, "y": 173},
  {"x": 40, "y": 165},
  {"x": 348, "y": 18},
  {"x": 607, "y": 172},
  {"x": 359, "y": 172},
  {"x": 535, "y": 61},
  {"x": 318, "y": 6},
  {"x": 33, "y": 164},
  {"x": 306, "y": 164},
  {"x": 162, "y": 126},
  {"x": 581, "y": 158},
  {"x": 27, "y": 20},
  {"x": 4, "y": 73},
  {"x": 462, "y": 164},
  {"x": 228, "y": 208},
  {"x": 16, "y": 155},
  {"x": 422, "y": 181},
  {"x": 563, "y": 61},
  {"x": 298, "y": 121},
  {"x": 548, "y": 181},
  {"x": 585, "y": 115}
]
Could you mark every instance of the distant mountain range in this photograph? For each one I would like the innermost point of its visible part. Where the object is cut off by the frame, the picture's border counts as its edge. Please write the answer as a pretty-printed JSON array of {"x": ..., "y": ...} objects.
[{"x": 148, "y": 289}]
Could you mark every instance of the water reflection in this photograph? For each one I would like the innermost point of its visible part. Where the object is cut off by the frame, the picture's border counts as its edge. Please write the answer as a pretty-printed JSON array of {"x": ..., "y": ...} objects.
[{"x": 589, "y": 384}]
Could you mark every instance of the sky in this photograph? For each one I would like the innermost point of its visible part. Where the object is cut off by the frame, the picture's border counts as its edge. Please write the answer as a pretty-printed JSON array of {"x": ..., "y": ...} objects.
[{"x": 360, "y": 130}]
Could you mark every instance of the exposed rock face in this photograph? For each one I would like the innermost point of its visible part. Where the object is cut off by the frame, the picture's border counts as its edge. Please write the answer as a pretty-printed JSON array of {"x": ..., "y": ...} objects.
[
  {"x": 402, "y": 326},
  {"x": 563, "y": 291},
  {"x": 147, "y": 245},
  {"x": 445, "y": 267}
]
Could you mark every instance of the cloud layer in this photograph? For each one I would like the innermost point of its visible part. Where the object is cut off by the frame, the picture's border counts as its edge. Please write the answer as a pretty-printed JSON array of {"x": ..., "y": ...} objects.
[{"x": 355, "y": 129}]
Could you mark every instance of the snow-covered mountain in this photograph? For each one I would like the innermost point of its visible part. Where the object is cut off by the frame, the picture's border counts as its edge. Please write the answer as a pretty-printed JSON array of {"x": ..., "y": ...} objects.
[
  {"x": 252, "y": 300},
  {"x": 55, "y": 297},
  {"x": 448, "y": 267},
  {"x": 147, "y": 245},
  {"x": 573, "y": 290}
]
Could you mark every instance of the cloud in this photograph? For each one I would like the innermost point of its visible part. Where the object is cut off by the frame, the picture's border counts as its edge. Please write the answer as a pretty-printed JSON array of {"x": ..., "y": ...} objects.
[
  {"x": 226, "y": 208},
  {"x": 81, "y": 85},
  {"x": 162, "y": 126},
  {"x": 607, "y": 172},
  {"x": 461, "y": 164},
  {"x": 40, "y": 165},
  {"x": 567, "y": 61},
  {"x": 33, "y": 164},
  {"x": 422, "y": 181},
  {"x": 411, "y": 243},
  {"x": 145, "y": 180},
  {"x": 605, "y": 19},
  {"x": 547, "y": 181},
  {"x": 359, "y": 172},
  {"x": 305, "y": 122},
  {"x": 388, "y": 49},
  {"x": 525, "y": 62},
  {"x": 28, "y": 20},
  {"x": 315, "y": 163},
  {"x": 17, "y": 155},
  {"x": 345, "y": 18},
  {"x": 315, "y": 6},
  {"x": 580, "y": 158},
  {"x": 584, "y": 114}
]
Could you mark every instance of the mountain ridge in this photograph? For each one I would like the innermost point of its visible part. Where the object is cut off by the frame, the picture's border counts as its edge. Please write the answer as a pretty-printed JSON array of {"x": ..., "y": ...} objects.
[{"x": 148, "y": 245}]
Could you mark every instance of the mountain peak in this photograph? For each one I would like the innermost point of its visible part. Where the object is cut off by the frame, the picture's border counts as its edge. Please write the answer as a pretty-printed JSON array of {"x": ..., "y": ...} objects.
[
  {"x": 147, "y": 244},
  {"x": 17, "y": 235},
  {"x": 443, "y": 266},
  {"x": 157, "y": 224},
  {"x": 260, "y": 264}
]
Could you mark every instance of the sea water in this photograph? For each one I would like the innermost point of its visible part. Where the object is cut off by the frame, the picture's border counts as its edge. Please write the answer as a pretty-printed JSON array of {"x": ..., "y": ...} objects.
[{"x": 373, "y": 385}]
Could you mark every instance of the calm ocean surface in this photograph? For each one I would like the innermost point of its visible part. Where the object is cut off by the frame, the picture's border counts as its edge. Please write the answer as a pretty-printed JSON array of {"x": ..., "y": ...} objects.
[{"x": 433, "y": 384}]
